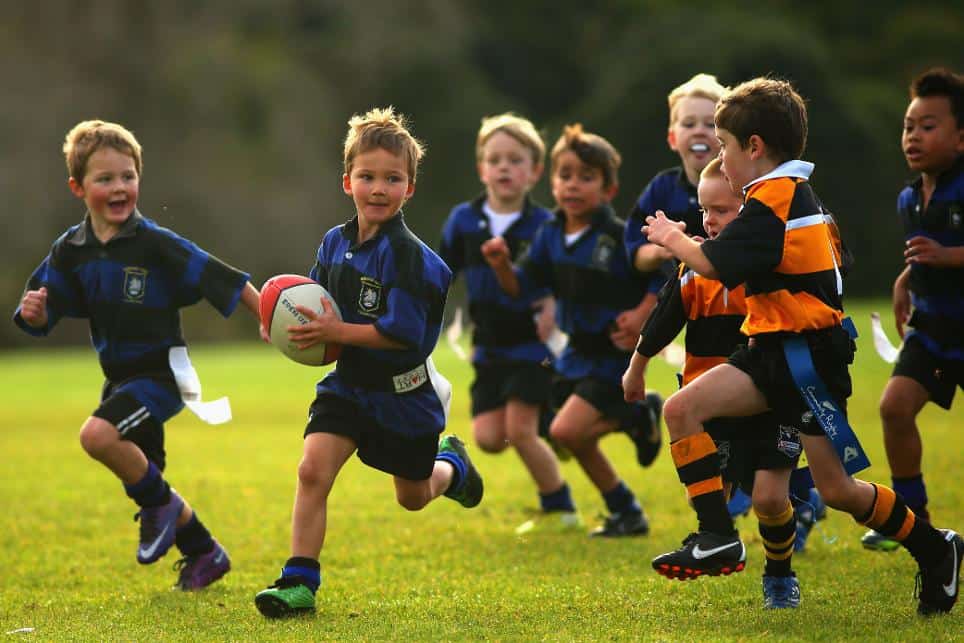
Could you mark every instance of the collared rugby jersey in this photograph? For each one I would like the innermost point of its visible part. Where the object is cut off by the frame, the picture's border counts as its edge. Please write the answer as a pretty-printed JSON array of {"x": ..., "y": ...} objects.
[
  {"x": 593, "y": 282},
  {"x": 131, "y": 289},
  {"x": 937, "y": 293},
  {"x": 398, "y": 284},
  {"x": 711, "y": 313},
  {"x": 504, "y": 325},
  {"x": 785, "y": 248}
]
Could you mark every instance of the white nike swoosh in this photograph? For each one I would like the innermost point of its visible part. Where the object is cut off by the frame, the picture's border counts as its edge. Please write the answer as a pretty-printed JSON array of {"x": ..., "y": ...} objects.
[
  {"x": 219, "y": 557},
  {"x": 951, "y": 588},
  {"x": 147, "y": 553},
  {"x": 700, "y": 554}
]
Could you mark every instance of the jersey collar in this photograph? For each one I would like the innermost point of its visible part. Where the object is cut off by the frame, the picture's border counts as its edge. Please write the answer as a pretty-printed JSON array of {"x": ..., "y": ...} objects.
[
  {"x": 85, "y": 233},
  {"x": 350, "y": 229},
  {"x": 795, "y": 169},
  {"x": 945, "y": 176}
]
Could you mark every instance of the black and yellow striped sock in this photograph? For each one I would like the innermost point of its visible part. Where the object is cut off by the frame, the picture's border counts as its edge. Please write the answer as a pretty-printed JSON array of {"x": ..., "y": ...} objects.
[
  {"x": 778, "y": 533},
  {"x": 889, "y": 516},
  {"x": 698, "y": 465}
]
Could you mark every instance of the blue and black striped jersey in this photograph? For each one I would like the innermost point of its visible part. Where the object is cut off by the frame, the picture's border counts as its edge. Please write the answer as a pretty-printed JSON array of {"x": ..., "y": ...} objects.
[
  {"x": 398, "y": 284},
  {"x": 131, "y": 289},
  {"x": 593, "y": 282},
  {"x": 937, "y": 293},
  {"x": 504, "y": 326}
]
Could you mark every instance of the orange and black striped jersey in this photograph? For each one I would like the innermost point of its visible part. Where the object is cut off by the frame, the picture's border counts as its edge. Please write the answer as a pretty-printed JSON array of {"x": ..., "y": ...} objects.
[
  {"x": 786, "y": 249},
  {"x": 711, "y": 313}
]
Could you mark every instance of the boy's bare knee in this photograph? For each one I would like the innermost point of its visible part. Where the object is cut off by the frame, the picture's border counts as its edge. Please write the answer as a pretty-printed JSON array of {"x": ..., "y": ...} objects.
[
  {"x": 894, "y": 413},
  {"x": 767, "y": 504},
  {"x": 310, "y": 474},
  {"x": 563, "y": 433},
  {"x": 411, "y": 501},
  {"x": 674, "y": 410},
  {"x": 490, "y": 443},
  {"x": 97, "y": 435}
]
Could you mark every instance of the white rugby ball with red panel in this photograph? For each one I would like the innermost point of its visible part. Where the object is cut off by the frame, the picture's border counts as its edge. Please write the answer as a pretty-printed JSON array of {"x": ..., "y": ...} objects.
[{"x": 279, "y": 297}]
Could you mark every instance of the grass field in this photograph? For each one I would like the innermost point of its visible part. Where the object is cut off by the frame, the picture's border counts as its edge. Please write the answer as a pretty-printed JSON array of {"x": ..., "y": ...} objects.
[{"x": 68, "y": 541}]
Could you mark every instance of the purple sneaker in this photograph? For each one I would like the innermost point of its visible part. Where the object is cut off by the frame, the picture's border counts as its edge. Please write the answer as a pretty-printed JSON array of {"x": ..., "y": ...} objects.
[
  {"x": 158, "y": 527},
  {"x": 200, "y": 570}
]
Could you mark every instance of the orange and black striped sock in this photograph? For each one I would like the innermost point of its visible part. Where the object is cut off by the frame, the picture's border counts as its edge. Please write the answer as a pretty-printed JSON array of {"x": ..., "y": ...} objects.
[
  {"x": 890, "y": 517},
  {"x": 778, "y": 534},
  {"x": 698, "y": 465}
]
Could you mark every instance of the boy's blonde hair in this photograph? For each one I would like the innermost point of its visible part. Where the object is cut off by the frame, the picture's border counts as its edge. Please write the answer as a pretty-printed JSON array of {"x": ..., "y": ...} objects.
[
  {"x": 713, "y": 169},
  {"x": 521, "y": 129},
  {"x": 592, "y": 149},
  {"x": 770, "y": 108},
  {"x": 382, "y": 128},
  {"x": 699, "y": 86},
  {"x": 87, "y": 137}
]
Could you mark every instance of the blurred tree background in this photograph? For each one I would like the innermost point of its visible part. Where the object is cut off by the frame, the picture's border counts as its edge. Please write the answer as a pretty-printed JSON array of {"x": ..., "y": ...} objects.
[{"x": 241, "y": 107}]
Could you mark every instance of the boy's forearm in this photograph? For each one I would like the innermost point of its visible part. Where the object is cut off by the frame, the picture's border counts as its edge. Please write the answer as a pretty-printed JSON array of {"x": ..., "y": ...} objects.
[
  {"x": 955, "y": 256},
  {"x": 637, "y": 363},
  {"x": 690, "y": 253},
  {"x": 251, "y": 299},
  {"x": 507, "y": 279},
  {"x": 648, "y": 258}
]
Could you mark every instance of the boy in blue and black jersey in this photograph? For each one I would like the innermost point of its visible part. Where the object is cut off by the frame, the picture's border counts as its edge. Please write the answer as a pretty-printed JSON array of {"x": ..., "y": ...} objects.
[
  {"x": 384, "y": 400},
  {"x": 690, "y": 134},
  {"x": 130, "y": 277},
  {"x": 513, "y": 374},
  {"x": 929, "y": 293},
  {"x": 579, "y": 256}
]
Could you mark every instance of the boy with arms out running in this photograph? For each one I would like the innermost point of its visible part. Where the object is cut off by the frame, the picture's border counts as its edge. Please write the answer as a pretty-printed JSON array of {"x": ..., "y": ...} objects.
[
  {"x": 130, "y": 277},
  {"x": 761, "y": 459},
  {"x": 931, "y": 363},
  {"x": 384, "y": 400},
  {"x": 783, "y": 250},
  {"x": 579, "y": 256},
  {"x": 512, "y": 374}
]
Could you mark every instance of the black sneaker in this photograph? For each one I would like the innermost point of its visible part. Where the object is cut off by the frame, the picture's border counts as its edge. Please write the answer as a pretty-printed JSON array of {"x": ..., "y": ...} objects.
[
  {"x": 937, "y": 586},
  {"x": 703, "y": 554},
  {"x": 619, "y": 525},
  {"x": 469, "y": 492},
  {"x": 645, "y": 432}
]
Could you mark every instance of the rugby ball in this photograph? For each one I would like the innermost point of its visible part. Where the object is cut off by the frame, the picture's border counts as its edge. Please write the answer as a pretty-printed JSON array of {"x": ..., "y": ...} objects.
[{"x": 279, "y": 297}]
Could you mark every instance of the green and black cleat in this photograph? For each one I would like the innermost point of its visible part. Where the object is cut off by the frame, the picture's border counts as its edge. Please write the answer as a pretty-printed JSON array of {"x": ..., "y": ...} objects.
[{"x": 469, "y": 492}]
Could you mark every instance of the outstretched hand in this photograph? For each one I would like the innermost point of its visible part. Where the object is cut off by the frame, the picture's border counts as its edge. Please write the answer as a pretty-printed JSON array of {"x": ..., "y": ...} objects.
[
  {"x": 33, "y": 307},
  {"x": 321, "y": 327},
  {"x": 496, "y": 252},
  {"x": 659, "y": 228}
]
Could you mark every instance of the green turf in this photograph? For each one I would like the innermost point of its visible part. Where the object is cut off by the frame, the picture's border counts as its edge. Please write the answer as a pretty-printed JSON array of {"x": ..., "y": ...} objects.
[{"x": 68, "y": 541}]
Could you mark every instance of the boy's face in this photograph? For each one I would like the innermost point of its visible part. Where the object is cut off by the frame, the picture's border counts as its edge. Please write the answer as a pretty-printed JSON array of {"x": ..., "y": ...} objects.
[
  {"x": 692, "y": 135},
  {"x": 507, "y": 169},
  {"x": 931, "y": 140},
  {"x": 109, "y": 188},
  {"x": 378, "y": 184},
  {"x": 737, "y": 162},
  {"x": 578, "y": 188},
  {"x": 720, "y": 204}
]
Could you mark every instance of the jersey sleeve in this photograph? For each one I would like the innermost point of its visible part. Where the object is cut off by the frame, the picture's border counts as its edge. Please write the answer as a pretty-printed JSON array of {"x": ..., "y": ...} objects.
[
  {"x": 750, "y": 244},
  {"x": 319, "y": 271},
  {"x": 665, "y": 322},
  {"x": 199, "y": 274},
  {"x": 416, "y": 285},
  {"x": 633, "y": 236},
  {"x": 64, "y": 296}
]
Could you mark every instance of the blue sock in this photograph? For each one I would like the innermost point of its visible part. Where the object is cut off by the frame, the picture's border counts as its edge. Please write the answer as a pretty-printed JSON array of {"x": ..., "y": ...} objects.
[
  {"x": 914, "y": 493},
  {"x": 558, "y": 500},
  {"x": 308, "y": 568},
  {"x": 151, "y": 490},
  {"x": 193, "y": 538},
  {"x": 621, "y": 500},
  {"x": 458, "y": 473}
]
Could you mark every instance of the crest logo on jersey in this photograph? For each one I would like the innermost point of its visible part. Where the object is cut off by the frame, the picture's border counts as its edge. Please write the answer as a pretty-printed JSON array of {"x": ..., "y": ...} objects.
[
  {"x": 603, "y": 252},
  {"x": 369, "y": 297},
  {"x": 956, "y": 216},
  {"x": 135, "y": 284},
  {"x": 723, "y": 449},
  {"x": 522, "y": 249}
]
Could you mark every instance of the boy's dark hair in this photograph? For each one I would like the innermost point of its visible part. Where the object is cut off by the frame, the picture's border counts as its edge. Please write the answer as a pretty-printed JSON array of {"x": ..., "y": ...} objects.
[
  {"x": 771, "y": 109},
  {"x": 941, "y": 81},
  {"x": 592, "y": 149}
]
